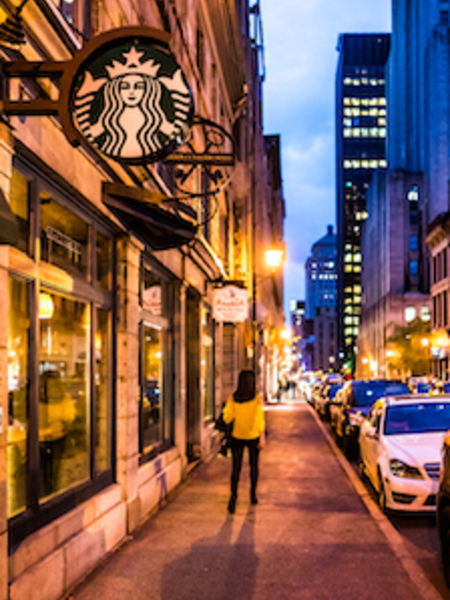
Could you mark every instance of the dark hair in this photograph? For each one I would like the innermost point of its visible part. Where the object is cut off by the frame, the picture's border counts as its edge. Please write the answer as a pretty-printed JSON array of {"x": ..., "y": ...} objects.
[{"x": 246, "y": 388}]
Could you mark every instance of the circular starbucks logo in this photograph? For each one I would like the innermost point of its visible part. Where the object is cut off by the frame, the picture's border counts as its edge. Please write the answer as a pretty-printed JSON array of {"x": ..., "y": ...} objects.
[{"x": 131, "y": 101}]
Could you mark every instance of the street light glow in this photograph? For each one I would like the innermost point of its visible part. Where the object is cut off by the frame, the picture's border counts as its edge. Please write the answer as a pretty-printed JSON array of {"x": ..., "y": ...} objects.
[{"x": 274, "y": 257}]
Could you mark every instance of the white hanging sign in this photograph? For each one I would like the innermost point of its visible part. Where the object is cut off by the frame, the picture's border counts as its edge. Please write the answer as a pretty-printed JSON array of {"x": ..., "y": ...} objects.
[{"x": 230, "y": 304}]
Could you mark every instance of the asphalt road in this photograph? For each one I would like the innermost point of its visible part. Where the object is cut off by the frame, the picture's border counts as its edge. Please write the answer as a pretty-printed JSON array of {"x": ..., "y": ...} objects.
[{"x": 421, "y": 538}]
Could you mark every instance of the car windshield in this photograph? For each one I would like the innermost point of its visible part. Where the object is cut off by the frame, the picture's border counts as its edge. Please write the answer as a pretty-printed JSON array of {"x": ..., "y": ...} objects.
[
  {"x": 417, "y": 418},
  {"x": 365, "y": 394}
]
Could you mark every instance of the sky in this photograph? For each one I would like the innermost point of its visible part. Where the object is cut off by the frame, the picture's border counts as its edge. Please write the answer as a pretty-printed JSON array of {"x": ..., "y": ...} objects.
[{"x": 300, "y": 38}]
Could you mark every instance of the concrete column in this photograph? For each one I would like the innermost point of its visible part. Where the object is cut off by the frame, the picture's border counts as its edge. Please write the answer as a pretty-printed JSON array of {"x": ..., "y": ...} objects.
[
  {"x": 180, "y": 374},
  {"x": 127, "y": 417}
]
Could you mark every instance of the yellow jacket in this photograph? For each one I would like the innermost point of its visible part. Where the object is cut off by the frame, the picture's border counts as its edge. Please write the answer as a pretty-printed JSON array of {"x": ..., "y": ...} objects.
[{"x": 248, "y": 417}]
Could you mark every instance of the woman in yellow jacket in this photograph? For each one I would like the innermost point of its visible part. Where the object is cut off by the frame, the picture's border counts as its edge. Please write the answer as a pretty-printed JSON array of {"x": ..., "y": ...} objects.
[{"x": 245, "y": 409}]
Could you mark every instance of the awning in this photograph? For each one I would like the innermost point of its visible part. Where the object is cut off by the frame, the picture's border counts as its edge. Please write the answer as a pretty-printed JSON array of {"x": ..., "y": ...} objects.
[
  {"x": 9, "y": 228},
  {"x": 159, "y": 228}
]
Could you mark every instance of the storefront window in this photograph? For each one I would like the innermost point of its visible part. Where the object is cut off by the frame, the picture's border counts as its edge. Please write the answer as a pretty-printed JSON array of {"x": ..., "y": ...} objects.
[
  {"x": 151, "y": 416},
  {"x": 64, "y": 237},
  {"x": 18, "y": 390},
  {"x": 151, "y": 293},
  {"x": 206, "y": 372},
  {"x": 64, "y": 378},
  {"x": 102, "y": 392},
  {"x": 20, "y": 206}
]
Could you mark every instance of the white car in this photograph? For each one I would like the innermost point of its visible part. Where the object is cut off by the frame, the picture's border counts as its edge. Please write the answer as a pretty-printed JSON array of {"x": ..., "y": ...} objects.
[{"x": 400, "y": 446}]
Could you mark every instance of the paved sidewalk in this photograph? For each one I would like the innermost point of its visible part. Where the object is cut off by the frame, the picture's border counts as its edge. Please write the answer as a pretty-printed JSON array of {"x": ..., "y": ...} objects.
[{"x": 310, "y": 536}]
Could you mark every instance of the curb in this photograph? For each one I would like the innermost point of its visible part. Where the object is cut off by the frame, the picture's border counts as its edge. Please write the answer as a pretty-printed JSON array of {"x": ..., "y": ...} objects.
[{"x": 394, "y": 538}]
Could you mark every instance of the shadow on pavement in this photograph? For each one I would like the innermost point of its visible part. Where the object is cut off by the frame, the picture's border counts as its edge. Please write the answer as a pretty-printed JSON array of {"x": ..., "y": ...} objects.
[{"x": 215, "y": 567}]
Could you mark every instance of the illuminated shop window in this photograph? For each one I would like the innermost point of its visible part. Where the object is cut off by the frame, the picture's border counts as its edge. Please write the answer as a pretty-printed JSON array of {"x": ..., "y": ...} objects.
[
  {"x": 64, "y": 392},
  {"x": 20, "y": 205},
  {"x": 18, "y": 396},
  {"x": 151, "y": 408},
  {"x": 64, "y": 237}
]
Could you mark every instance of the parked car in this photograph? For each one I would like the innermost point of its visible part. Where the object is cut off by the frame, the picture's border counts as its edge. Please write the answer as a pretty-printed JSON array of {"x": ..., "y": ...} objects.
[
  {"x": 443, "y": 508},
  {"x": 400, "y": 446},
  {"x": 323, "y": 401},
  {"x": 356, "y": 401}
]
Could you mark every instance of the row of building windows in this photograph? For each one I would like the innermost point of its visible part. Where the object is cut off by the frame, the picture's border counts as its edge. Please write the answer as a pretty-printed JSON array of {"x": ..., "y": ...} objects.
[
  {"x": 350, "y": 331},
  {"x": 363, "y": 81},
  {"x": 324, "y": 276},
  {"x": 361, "y": 112},
  {"x": 353, "y": 257},
  {"x": 353, "y": 101},
  {"x": 439, "y": 266},
  {"x": 411, "y": 313},
  {"x": 365, "y": 164},
  {"x": 365, "y": 132},
  {"x": 352, "y": 269},
  {"x": 363, "y": 120}
]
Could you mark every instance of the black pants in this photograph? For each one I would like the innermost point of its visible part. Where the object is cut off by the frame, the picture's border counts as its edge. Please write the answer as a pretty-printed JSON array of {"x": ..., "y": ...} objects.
[{"x": 237, "y": 450}]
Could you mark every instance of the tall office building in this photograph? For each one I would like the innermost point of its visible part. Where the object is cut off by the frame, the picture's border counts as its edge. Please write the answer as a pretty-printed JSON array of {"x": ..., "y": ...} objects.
[
  {"x": 320, "y": 310},
  {"x": 361, "y": 118},
  {"x": 321, "y": 274}
]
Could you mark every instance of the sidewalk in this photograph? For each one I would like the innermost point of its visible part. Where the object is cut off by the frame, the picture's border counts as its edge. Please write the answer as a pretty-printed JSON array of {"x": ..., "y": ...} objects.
[{"x": 310, "y": 536}]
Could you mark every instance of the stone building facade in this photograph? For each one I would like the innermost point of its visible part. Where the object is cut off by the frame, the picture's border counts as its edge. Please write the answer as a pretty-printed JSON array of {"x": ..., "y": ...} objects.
[{"x": 112, "y": 367}]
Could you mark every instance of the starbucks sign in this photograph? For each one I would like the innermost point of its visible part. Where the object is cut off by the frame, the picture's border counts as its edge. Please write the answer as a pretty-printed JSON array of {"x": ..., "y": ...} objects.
[{"x": 129, "y": 98}]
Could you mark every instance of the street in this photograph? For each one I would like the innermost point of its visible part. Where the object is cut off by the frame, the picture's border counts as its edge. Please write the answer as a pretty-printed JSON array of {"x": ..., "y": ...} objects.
[
  {"x": 418, "y": 531},
  {"x": 309, "y": 537}
]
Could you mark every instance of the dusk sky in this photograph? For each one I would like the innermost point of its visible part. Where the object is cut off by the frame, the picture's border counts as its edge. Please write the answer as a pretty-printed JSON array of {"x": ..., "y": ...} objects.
[{"x": 300, "y": 50}]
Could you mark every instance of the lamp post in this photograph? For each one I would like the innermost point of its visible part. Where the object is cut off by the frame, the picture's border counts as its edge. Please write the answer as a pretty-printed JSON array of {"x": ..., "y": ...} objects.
[{"x": 273, "y": 258}]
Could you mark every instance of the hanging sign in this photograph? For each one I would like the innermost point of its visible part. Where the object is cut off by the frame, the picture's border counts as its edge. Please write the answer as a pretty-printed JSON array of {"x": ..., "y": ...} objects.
[
  {"x": 123, "y": 93},
  {"x": 230, "y": 304}
]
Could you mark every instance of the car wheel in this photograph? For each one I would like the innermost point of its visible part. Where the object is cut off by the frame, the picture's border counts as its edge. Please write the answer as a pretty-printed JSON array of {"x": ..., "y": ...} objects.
[
  {"x": 444, "y": 535},
  {"x": 362, "y": 469},
  {"x": 381, "y": 494}
]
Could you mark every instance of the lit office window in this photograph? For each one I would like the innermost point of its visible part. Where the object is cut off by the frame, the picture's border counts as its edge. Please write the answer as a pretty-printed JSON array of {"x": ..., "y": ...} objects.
[
  {"x": 413, "y": 193},
  {"x": 410, "y": 314},
  {"x": 382, "y": 163},
  {"x": 425, "y": 313},
  {"x": 413, "y": 267},
  {"x": 413, "y": 242}
]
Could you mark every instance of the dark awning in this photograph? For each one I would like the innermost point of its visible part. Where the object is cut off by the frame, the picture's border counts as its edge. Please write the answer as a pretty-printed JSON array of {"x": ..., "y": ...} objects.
[
  {"x": 159, "y": 228},
  {"x": 9, "y": 228}
]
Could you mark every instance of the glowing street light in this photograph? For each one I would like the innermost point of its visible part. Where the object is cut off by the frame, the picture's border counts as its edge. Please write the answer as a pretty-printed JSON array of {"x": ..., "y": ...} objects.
[{"x": 274, "y": 257}]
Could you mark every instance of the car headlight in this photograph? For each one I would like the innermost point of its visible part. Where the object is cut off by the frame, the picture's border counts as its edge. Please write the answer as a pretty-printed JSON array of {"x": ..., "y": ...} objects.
[{"x": 401, "y": 469}]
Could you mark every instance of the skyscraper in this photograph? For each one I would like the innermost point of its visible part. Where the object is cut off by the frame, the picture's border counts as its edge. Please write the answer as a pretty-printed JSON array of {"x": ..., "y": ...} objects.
[
  {"x": 361, "y": 118},
  {"x": 320, "y": 310}
]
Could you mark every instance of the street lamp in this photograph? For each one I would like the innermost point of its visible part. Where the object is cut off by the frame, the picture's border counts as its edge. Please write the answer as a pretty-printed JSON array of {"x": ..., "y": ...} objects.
[{"x": 273, "y": 258}]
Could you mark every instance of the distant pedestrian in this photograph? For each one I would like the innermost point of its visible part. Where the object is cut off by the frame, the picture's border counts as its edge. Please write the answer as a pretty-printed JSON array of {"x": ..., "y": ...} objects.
[{"x": 245, "y": 410}]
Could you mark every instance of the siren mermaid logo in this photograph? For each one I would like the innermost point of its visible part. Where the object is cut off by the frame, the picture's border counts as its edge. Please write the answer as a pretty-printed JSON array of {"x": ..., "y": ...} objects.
[{"x": 132, "y": 103}]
